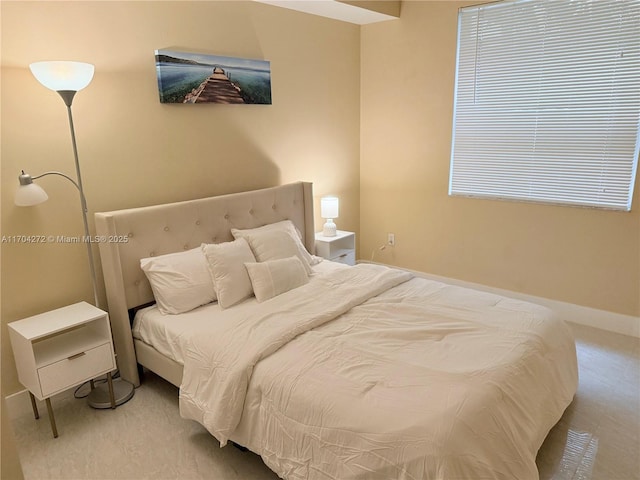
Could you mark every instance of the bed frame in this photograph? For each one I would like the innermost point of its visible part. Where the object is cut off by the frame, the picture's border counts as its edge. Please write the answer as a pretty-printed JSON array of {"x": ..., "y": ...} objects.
[{"x": 138, "y": 233}]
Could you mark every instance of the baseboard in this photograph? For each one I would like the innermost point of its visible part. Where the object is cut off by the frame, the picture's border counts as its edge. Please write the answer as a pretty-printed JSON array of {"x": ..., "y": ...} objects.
[
  {"x": 591, "y": 317},
  {"x": 18, "y": 404}
]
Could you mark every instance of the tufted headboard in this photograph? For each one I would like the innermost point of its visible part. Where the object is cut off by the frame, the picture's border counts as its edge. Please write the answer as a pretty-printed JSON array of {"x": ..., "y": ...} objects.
[{"x": 136, "y": 233}]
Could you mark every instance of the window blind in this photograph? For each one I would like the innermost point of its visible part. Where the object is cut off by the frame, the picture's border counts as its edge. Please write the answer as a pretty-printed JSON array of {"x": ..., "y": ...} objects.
[{"x": 547, "y": 102}]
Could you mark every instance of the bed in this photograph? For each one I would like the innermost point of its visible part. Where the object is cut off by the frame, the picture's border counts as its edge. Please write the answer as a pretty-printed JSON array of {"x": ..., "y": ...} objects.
[{"x": 347, "y": 372}]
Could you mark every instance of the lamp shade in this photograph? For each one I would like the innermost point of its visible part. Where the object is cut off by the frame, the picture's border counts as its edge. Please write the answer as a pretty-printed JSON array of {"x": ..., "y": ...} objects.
[
  {"x": 63, "y": 76},
  {"x": 329, "y": 207},
  {"x": 29, "y": 195}
]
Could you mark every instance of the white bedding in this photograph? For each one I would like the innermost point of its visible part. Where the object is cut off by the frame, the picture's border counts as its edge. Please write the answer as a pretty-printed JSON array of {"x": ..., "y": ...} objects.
[
  {"x": 396, "y": 378},
  {"x": 170, "y": 334}
]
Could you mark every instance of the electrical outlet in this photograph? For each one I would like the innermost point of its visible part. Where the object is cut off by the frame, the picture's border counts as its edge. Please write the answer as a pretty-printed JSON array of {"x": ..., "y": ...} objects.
[{"x": 391, "y": 239}]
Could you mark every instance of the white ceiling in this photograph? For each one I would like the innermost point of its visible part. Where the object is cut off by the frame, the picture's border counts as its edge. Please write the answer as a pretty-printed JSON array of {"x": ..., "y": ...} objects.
[{"x": 332, "y": 9}]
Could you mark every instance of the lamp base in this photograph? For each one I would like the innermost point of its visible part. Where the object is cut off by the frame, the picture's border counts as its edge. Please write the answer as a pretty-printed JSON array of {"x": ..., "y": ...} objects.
[
  {"x": 329, "y": 229},
  {"x": 123, "y": 391}
]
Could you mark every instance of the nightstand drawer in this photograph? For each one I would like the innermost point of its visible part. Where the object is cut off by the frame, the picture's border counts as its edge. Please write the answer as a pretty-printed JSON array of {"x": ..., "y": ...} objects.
[
  {"x": 340, "y": 248},
  {"x": 76, "y": 369},
  {"x": 348, "y": 258}
]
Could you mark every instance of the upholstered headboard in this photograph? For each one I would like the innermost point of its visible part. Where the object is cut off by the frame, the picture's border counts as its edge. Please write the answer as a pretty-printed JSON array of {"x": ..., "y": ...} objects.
[{"x": 136, "y": 233}]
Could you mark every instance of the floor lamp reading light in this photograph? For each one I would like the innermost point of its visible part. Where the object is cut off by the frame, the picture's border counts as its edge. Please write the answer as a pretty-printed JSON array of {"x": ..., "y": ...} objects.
[{"x": 67, "y": 78}]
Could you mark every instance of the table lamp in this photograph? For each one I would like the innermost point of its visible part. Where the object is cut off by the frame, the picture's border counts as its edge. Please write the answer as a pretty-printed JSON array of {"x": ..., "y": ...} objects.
[{"x": 329, "y": 211}]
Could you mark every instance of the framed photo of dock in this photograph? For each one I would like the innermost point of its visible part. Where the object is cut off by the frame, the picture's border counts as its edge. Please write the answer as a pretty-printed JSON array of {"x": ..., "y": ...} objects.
[{"x": 199, "y": 78}]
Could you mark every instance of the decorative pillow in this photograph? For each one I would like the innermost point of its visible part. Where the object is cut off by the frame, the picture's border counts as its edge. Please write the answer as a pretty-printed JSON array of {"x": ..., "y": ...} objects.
[
  {"x": 285, "y": 226},
  {"x": 274, "y": 245},
  {"x": 274, "y": 277},
  {"x": 226, "y": 266},
  {"x": 180, "y": 281}
]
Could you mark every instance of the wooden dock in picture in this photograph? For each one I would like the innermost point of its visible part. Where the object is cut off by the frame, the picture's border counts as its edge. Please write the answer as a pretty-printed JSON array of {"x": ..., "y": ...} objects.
[{"x": 217, "y": 88}]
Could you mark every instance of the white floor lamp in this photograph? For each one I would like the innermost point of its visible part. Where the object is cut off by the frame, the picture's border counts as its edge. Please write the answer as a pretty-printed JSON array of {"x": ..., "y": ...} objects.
[{"x": 67, "y": 78}]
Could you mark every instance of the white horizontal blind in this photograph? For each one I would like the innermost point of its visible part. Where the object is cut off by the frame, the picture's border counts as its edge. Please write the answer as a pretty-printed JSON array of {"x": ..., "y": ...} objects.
[{"x": 547, "y": 104}]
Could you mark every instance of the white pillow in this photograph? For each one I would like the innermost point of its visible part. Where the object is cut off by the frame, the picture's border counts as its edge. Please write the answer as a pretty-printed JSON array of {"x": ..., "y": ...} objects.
[
  {"x": 180, "y": 281},
  {"x": 226, "y": 266},
  {"x": 274, "y": 277},
  {"x": 253, "y": 237}
]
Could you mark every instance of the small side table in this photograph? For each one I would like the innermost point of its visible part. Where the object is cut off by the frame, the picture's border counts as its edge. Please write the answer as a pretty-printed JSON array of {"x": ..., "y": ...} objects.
[
  {"x": 341, "y": 248},
  {"x": 60, "y": 349}
]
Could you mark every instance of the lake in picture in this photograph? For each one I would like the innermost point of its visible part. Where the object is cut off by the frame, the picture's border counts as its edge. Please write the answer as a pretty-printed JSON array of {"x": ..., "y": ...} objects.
[{"x": 197, "y": 78}]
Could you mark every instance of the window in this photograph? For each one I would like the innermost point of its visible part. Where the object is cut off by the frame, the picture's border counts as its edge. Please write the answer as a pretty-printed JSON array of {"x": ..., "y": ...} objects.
[{"x": 547, "y": 104}]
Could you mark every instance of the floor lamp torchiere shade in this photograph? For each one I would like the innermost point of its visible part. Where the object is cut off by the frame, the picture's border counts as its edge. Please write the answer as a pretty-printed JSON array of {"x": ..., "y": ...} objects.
[{"x": 67, "y": 78}]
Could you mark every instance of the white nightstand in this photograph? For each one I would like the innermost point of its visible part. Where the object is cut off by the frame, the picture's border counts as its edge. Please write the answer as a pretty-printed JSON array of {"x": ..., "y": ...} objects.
[
  {"x": 341, "y": 248},
  {"x": 60, "y": 349}
]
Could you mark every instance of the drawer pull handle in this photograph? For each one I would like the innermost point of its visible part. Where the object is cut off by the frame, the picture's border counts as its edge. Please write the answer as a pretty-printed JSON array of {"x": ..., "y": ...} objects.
[
  {"x": 77, "y": 355},
  {"x": 343, "y": 255}
]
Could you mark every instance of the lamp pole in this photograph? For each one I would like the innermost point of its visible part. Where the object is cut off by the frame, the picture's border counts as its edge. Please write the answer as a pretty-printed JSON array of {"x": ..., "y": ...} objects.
[{"x": 67, "y": 96}]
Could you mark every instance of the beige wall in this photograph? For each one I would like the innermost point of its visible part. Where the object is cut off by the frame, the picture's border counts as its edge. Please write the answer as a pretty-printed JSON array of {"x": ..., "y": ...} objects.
[
  {"x": 581, "y": 256},
  {"x": 10, "y": 468},
  {"x": 135, "y": 151}
]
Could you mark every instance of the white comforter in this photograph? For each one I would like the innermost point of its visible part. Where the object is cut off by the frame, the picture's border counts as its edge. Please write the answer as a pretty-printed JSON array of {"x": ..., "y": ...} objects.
[{"x": 395, "y": 378}]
